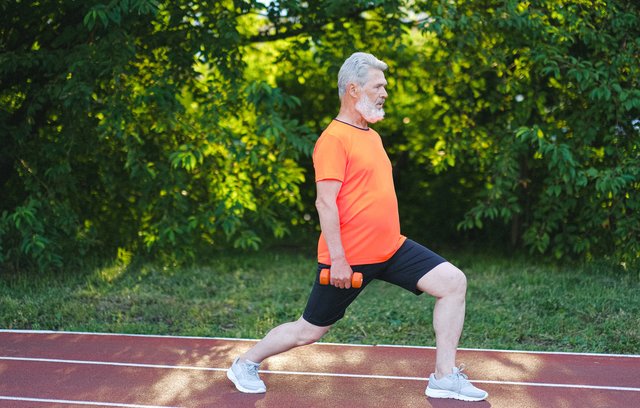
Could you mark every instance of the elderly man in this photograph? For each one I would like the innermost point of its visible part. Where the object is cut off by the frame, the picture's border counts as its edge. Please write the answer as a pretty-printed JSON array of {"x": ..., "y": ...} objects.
[{"x": 360, "y": 224}]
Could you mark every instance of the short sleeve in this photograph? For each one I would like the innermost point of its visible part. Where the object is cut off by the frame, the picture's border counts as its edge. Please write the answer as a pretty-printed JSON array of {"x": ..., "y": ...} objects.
[{"x": 329, "y": 158}]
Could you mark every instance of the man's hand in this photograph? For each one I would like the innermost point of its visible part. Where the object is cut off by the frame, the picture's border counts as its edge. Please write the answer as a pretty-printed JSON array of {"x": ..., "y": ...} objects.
[{"x": 341, "y": 274}]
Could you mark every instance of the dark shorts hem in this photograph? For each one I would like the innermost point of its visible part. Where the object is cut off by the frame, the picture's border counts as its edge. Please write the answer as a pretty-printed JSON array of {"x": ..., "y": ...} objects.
[{"x": 330, "y": 322}]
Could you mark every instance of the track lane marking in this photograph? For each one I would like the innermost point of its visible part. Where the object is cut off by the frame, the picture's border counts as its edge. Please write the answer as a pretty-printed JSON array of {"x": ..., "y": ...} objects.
[
  {"x": 317, "y": 374},
  {"x": 78, "y": 402},
  {"x": 158, "y": 336}
]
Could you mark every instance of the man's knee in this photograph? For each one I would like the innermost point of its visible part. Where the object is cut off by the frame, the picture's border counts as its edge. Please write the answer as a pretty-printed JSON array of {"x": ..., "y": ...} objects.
[
  {"x": 444, "y": 280},
  {"x": 458, "y": 279},
  {"x": 309, "y": 333}
]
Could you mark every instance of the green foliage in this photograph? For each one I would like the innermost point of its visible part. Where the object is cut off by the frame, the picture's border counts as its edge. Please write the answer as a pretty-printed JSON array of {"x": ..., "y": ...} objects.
[
  {"x": 130, "y": 124},
  {"x": 550, "y": 110},
  {"x": 168, "y": 128}
]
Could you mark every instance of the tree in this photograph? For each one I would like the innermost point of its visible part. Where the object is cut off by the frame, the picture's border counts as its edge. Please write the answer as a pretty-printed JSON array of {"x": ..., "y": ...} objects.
[
  {"x": 129, "y": 125},
  {"x": 543, "y": 97}
]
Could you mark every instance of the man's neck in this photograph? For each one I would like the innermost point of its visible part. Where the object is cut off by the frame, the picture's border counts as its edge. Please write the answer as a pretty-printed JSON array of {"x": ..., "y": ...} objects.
[{"x": 352, "y": 117}]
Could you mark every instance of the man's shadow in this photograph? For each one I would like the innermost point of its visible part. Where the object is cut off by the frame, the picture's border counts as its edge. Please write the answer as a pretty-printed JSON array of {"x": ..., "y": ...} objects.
[{"x": 452, "y": 403}]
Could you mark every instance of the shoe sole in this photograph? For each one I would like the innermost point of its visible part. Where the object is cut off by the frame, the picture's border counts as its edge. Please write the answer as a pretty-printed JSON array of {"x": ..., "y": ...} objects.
[
  {"x": 450, "y": 394},
  {"x": 231, "y": 376}
]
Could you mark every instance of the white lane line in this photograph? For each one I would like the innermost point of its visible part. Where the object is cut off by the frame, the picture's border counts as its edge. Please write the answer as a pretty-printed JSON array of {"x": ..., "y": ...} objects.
[
  {"x": 577, "y": 386},
  {"x": 74, "y": 402},
  {"x": 317, "y": 374},
  {"x": 111, "y": 363},
  {"x": 393, "y": 377},
  {"x": 564, "y": 353}
]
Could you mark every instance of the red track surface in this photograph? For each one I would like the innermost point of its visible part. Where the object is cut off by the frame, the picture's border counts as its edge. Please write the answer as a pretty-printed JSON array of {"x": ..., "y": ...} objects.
[{"x": 56, "y": 369}]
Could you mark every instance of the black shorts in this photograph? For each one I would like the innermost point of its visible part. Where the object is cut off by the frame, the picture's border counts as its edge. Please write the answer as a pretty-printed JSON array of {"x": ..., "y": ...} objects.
[{"x": 327, "y": 304}]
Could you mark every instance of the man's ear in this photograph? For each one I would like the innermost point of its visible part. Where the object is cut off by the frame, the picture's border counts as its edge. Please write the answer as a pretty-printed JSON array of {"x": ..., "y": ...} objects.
[{"x": 353, "y": 90}]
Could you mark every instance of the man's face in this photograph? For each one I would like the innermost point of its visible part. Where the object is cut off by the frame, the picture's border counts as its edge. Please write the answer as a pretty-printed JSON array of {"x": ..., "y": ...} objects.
[{"x": 372, "y": 97}]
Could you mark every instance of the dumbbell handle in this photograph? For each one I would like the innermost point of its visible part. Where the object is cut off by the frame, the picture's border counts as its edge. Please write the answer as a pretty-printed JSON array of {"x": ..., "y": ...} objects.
[{"x": 356, "y": 278}]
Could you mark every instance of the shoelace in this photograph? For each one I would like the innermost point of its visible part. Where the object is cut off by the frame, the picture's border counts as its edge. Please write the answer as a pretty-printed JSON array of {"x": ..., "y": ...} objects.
[
  {"x": 460, "y": 374},
  {"x": 252, "y": 370},
  {"x": 461, "y": 379}
]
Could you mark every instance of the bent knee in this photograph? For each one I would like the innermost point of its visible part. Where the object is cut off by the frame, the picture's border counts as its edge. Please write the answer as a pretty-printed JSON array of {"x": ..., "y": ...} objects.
[
  {"x": 444, "y": 280},
  {"x": 458, "y": 279},
  {"x": 309, "y": 333}
]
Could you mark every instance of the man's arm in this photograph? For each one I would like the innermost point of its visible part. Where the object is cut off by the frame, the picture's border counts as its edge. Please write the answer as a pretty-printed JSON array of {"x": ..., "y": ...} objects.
[{"x": 327, "y": 193}]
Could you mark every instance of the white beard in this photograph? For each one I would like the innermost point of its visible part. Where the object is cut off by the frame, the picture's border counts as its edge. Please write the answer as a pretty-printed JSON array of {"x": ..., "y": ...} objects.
[{"x": 368, "y": 110}]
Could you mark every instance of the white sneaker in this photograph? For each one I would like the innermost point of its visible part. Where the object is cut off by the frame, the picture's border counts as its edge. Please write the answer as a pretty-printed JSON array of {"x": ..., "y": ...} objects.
[
  {"x": 454, "y": 386},
  {"x": 244, "y": 376}
]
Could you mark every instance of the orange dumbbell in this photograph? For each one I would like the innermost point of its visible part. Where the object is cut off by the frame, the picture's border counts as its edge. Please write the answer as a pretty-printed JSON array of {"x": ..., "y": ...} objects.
[{"x": 356, "y": 278}]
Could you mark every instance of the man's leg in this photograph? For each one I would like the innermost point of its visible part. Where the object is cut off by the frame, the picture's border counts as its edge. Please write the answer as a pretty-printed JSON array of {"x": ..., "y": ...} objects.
[
  {"x": 283, "y": 338},
  {"x": 244, "y": 370},
  {"x": 325, "y": 306},
  {"x": 448, "y": 285}
]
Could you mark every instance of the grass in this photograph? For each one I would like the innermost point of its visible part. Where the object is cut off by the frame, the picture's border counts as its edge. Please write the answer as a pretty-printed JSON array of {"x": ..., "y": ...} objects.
[{"x": 511, "y": 303}]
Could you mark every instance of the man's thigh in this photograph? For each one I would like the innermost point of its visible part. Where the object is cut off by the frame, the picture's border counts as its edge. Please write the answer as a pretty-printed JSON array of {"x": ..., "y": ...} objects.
[{"x": 410, "y": 264}]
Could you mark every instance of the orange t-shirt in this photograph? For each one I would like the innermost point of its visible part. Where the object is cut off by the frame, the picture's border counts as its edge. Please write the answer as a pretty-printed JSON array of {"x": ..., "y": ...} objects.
[{"x": 367, "y": 203}]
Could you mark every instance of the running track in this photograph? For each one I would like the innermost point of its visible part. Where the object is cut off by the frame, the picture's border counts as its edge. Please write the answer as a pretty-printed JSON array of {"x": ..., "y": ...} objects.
[{"x": 61, "y": 369}]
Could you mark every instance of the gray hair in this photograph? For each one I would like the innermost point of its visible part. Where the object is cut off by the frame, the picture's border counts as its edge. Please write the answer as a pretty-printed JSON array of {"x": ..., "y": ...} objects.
[{"x": 355, "y": 70}]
